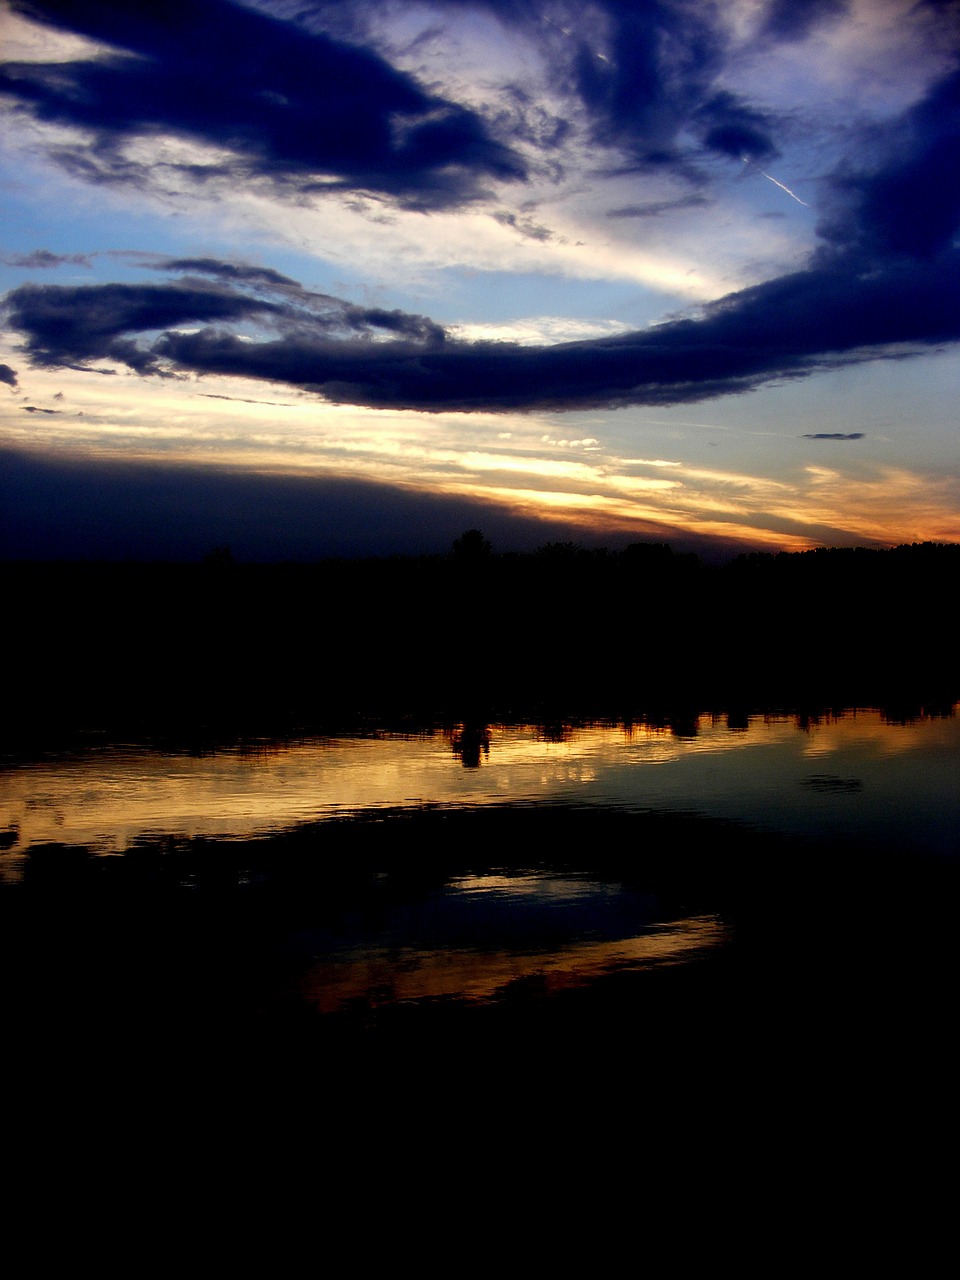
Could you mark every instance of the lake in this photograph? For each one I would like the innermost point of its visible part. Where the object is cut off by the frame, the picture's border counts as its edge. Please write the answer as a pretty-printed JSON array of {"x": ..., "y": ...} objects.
[
  {"x": 855, "y": 774},
  {"x": 466, "y": 865},
  {"x": 709, "y": 931}
]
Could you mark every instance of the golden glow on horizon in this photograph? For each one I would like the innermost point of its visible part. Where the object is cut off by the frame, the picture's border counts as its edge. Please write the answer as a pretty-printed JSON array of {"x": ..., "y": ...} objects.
[
  {"x": 269, "y": 429},
  {"x": 927, "y": 503}
]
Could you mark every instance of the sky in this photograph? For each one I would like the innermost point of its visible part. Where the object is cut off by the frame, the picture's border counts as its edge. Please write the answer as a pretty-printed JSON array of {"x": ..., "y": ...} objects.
[{"x": 348, "y": 277}]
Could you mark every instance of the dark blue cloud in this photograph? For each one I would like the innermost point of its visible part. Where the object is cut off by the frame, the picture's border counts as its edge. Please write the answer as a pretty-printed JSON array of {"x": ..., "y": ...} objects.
[
  {"x": 790, "y": 327},
  {"x": 734, "y": 129},
  {"x": 657, "y": 208},
  {"x": 833, "y": 435},
  {"x": 71, "y": 325},
  {"x": 242, "y": 272},
  {"x": 298, "y": 307},
  {"x": 43, "y": 259},
  {"x": 643, "y": 77},
  {"x": 65, "y": 325},
  {"x": 301, "y": 109},
  {"x": 8, "y": 376},
  {"x": 788, "y": 20},
  {"x": 637, "y": 92},
  {"x": 907, "y": 203}
]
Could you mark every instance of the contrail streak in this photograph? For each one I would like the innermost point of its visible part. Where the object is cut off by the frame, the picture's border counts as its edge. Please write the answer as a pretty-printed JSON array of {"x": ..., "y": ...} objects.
[
  {"x": 747, "y": 161},
  {"x": 786, "y": 189}
]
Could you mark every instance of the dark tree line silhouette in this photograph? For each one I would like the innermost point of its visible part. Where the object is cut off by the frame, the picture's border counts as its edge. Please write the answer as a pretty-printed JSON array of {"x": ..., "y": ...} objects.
[{"x": 474, "y": 635}]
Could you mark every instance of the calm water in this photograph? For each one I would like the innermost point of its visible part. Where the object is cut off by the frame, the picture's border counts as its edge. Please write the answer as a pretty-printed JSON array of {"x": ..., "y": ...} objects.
[
  {"x": 851, "y": 775},
  {"x": 506, "y": 905}
]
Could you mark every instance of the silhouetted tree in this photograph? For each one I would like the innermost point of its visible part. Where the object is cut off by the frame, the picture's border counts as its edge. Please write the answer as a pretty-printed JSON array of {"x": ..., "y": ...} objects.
[{"x": 471, "y": 547}]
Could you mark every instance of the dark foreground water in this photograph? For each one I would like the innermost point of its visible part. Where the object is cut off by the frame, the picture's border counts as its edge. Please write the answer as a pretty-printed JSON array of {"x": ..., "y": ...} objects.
[{"x": 752, "y": 922}]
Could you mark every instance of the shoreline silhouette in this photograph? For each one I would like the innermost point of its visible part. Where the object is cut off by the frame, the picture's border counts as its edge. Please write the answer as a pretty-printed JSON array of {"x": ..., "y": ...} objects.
[{"x": 225, "y": 648}]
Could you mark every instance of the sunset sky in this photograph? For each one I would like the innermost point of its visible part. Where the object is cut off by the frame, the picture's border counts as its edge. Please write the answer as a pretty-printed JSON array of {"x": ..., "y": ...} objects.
[{"x": 321, "y": 278}]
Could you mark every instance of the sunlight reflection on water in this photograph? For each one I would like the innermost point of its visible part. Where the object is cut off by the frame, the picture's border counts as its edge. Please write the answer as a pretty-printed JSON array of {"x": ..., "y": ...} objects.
[
  {"x": 381, "y": 975},
  {"x": 856, "y": 772}
]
